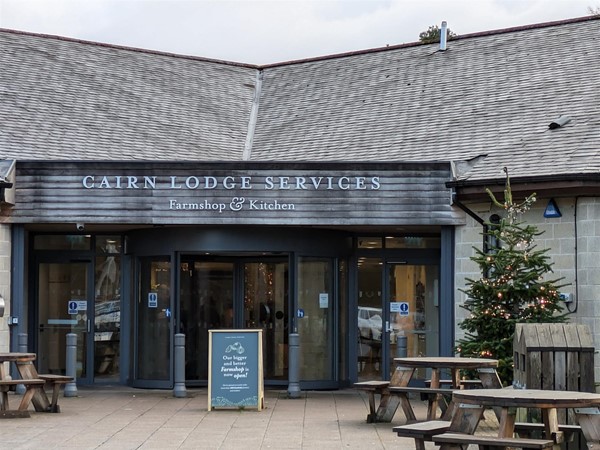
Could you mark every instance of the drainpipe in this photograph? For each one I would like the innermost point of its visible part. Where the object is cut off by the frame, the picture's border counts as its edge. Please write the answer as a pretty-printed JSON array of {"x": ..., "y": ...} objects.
[{"x": 478, "y": 219}]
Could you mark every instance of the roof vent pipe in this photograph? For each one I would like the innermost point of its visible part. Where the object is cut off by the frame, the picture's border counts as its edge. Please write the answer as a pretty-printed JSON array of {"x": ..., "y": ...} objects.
[
  {"x": 560, "y": 122},
  {"x": 443, "y": 36}
]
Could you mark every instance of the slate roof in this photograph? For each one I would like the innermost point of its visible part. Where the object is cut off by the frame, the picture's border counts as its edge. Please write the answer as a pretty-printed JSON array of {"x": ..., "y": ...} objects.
[{"x": 488, "y": 99}]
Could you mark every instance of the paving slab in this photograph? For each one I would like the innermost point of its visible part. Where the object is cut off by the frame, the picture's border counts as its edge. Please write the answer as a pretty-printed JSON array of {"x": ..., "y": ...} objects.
[{"x": 123, "y": 418}]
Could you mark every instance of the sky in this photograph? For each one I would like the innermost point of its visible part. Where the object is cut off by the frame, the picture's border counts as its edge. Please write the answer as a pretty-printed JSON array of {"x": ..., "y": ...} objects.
[{"x": 266, "y": 32}]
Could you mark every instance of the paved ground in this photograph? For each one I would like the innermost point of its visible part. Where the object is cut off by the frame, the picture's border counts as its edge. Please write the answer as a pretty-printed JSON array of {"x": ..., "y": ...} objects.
[{"x": 118, "y": 418}]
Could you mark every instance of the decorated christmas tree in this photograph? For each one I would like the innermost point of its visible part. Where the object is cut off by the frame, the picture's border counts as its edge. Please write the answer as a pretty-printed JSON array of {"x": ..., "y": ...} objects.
[{"x": 513, "y": 287}]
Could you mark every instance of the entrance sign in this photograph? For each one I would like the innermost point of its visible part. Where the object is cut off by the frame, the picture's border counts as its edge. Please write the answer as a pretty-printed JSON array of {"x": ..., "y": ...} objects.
[
  {"x": 235, "y": 371},
  {"x": 239, "y": 193}
]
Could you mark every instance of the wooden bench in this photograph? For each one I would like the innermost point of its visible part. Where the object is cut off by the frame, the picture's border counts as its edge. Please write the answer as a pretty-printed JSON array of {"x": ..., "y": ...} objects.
[
  {"x": 30, "y": 386},
  {"x": 422, "y": 431},
  {"x": 388, "y": 404},
  {"x": 432, "y": 395},
  {"x": 458, "y": 441},
  {"x": 373, "y": 387},
  {"x": 55, "y": 381},
  {"x": 526, "y": 429}
]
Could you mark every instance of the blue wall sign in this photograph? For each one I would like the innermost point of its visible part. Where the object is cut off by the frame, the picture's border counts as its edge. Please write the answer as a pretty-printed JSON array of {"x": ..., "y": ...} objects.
[
  {"x": 404, "y": 308},
  {"x": 235, "y": 375}
]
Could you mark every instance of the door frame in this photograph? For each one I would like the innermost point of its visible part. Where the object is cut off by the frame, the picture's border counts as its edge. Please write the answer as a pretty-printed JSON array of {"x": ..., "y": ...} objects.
[
  {"x": 85, "y": 257},
  {"x": 386, "y": 324},
  {"x": 167, "y": 383},
  {"x": 424, "y": 257}
]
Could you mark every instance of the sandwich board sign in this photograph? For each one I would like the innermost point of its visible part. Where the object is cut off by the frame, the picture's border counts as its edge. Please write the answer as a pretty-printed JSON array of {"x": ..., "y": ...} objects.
[{"x": 235, "y": 369}]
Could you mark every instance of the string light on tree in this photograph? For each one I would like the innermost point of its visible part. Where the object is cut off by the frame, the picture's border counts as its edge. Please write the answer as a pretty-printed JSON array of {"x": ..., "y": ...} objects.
[{"x": 513, "y": 287}]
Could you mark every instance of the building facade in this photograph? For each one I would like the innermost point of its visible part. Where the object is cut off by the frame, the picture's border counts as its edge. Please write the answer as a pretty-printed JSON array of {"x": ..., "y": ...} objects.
[{"x": 340, "y": 198}]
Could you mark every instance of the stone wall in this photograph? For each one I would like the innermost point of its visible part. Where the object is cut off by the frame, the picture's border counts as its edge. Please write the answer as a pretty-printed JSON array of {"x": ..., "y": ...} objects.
[{"x": 577, "y": 232}]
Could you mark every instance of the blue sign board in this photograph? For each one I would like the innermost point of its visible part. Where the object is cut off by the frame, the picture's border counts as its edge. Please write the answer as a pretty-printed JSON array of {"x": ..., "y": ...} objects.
[
  {"x": 404, "y": 308},
  {"x": 235, "y": 375}
]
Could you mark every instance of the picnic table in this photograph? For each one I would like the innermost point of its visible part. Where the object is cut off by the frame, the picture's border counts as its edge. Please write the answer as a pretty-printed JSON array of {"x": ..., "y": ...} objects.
[
  {"x": 485, "y": 368},
  {"x": 396, "y": 392},
  {"x": 471, "y": 404},
  {"x": 8, "y": 384},
  {"x": 33, "y": 382}
]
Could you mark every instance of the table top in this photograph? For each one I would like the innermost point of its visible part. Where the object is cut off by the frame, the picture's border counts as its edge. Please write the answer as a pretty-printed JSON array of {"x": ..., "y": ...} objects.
[
  {"x": 446, "y": 362},
  {"x": 527, "y": 398},
  {"x": 16, "y": 357}
]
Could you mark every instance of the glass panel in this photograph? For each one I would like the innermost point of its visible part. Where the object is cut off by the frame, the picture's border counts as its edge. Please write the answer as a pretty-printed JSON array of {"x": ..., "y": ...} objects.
[
  {"x": 62, "y": 306},
  {"x": 315, "y": 329},
  {"x": 62, "y": 242},
  {"x": 206, "y": 303},
  {"x": 369, "y": 242},
  {"x": 107, "y": 318},
  {"x": 266, "y": 307},
  {"x": 412, "y": 242},
  {"x": 153, "y": 315},
  {"x": 370, "y": 318},
  {"x": 414, "y": 313}
]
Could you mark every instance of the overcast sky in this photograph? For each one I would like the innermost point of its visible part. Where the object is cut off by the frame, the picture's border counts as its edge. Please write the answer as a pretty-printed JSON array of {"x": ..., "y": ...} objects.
[{"x": 263, "y": 32}]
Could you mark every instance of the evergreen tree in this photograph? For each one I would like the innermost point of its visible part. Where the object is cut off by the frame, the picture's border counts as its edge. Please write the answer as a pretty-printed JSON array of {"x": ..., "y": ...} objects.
[
  {"x": 433, "y": 33},
  {"x": 512, "y": 288}
]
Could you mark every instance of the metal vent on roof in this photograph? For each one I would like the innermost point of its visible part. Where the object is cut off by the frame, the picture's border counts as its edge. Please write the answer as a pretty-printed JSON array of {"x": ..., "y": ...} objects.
[
  {"x": 443, "y": 36},
  {"x": 560, "y": 122}
]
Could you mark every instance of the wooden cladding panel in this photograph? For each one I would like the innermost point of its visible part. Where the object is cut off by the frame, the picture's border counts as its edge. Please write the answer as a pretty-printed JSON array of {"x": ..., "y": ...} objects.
[{"x": 398, "y": 194}]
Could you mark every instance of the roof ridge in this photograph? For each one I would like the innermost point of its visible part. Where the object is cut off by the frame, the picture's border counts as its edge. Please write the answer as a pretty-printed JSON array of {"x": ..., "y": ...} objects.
[
  {"x": 310, "y": 59},
  {"x": 454, "y": 38},
  {"x": 127, "y": 48}
]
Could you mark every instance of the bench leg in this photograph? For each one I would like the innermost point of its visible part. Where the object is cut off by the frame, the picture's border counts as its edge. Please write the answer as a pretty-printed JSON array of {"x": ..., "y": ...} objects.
[
  {"x": 388, "y": 404},
  {"x": 419, "y": 444},
  {"x": 56, "y": 391},
  {"x": 371, "y": 417},
  {"x": 4, "y": 401},
  {"x": 26, "y": 399}
]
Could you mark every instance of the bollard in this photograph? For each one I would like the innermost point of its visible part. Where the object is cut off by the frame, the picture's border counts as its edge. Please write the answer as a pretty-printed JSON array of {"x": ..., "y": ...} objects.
[
  {"x": 71, "y": 361},
  {"x": 21, "y": 348},
  {"x": 401, "y": 347},
  {"x": 179, "y": 361},
  {"x": 294, "y": 366}
]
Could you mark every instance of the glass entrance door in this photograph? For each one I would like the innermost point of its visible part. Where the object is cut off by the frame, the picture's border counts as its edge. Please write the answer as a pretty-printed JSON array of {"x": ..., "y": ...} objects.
[
  {"x": 206, "y": 303},
  {"x": 63, "y": 298},
  {"x": 221, "y": 292},
  {"x": 413, "y": 325},
  {"x": 153, "y": 324},
  {"x": 265, "y": 306},
  {"x": 398, "y": 314}
]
